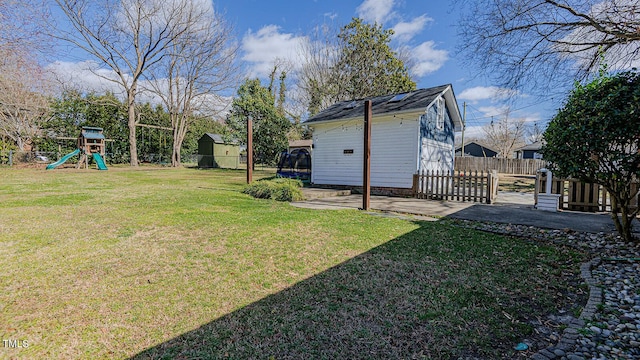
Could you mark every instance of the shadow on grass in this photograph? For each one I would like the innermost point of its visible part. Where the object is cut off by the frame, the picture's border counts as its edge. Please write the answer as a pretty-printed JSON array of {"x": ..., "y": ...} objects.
[{"x": 437, "y": 292}]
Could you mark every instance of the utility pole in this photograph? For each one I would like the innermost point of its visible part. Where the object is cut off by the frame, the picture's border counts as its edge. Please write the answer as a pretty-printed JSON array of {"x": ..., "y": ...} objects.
[{"x": 464, "y": 123}]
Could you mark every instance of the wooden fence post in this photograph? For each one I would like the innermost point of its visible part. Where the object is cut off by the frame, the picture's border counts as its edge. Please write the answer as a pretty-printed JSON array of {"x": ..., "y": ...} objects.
[
  {"x": 366, "y": 175},
  {"x": 249, "y": 150}
]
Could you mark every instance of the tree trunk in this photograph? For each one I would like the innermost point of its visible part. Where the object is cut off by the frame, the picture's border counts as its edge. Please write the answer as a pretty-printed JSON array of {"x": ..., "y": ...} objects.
[
  {"x": 175, "y": 155},
  {"x": 133, "y": 147},
  {"x": 621, "y": 217},
  {"x": 179, "y": 132}
]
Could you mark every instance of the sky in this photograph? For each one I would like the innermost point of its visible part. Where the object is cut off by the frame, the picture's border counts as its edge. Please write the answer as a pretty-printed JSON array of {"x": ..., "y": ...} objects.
[{"x": 270, "y": 30}]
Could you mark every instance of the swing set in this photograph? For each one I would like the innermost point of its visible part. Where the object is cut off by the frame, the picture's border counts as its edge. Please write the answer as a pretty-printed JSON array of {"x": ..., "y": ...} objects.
[{"x": 162, "y": 140}]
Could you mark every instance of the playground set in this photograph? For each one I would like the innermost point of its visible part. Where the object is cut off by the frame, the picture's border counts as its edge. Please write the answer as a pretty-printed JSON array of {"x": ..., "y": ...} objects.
[
  {"x": 91, "y": 142},
  {"x": 295, "y": 165}
]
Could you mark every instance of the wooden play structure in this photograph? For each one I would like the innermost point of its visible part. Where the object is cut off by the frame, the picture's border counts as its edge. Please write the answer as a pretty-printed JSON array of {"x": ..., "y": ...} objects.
[{"x": 91, "y": 142}]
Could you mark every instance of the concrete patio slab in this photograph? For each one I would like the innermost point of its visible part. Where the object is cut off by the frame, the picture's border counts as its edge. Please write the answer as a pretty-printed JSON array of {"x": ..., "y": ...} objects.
[{"x": 511, "y": 208}]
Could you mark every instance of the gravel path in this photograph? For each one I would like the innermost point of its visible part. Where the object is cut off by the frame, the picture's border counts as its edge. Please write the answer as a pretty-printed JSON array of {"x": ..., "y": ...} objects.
[{"x": 609, "y": 325}]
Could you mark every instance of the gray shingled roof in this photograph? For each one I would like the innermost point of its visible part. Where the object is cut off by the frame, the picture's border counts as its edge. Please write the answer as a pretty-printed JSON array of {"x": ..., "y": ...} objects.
[
  {"x": 217, "y": 138},
  {"x": 418, "y": 99},
  {"x": 459, "y": 146},
  {"x": 534, "y": 146}
]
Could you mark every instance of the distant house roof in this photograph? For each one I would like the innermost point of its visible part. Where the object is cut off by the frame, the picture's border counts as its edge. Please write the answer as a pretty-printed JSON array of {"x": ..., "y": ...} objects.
[
  {"x": 391, "y": 104},
  {"x": 459, "y": 146},
  {"x": 300, "y": 143},
  {"x": 217, "y": 138},
  {"x": 536, "y": 146}
]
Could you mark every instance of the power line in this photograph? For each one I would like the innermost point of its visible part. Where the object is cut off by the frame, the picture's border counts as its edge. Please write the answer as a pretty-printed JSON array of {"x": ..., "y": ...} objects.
[{"x": 512, "y": 110}]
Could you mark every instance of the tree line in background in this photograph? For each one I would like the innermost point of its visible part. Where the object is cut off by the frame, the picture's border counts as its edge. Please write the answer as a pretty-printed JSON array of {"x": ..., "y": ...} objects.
[
  {"x": 74, "y": 110},
  {"x": 183, "y": 55}
]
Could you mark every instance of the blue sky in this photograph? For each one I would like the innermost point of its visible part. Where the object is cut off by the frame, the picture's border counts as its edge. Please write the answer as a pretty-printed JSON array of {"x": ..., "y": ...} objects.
[{"x": 270, "y": 30}]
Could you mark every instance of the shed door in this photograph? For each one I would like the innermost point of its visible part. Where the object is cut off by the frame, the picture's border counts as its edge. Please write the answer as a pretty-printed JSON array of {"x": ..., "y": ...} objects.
[{"x": 436, "y": 156}]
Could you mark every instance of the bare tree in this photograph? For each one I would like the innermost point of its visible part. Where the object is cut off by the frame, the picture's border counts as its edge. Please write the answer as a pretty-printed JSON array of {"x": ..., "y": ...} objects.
[
  {"x": 23, "y": 103},
  {"x": 199, "y": 65},
  {"x": 127, "y": 36},
  {"x": 23, "y": 84},
  {"x": 535, "y": 133},
  {"x": 505, "y": 134},
  {"x": 319, "y": 55},
  {"x": 23, "y": 28},
  {"x": 538, "y": 43}
]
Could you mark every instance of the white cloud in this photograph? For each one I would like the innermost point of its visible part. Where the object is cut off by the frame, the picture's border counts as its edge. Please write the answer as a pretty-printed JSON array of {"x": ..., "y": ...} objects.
[
  {"x": 472, "y": 132},
  {"x": 88, "y": 77},
  {"x": 532, "y": 118},
  {"x": 499, "y": 112},
  {"x": 85, "y": 76},
  {"x": 427, "y": 59},
  {"x": 263, "y": 48},
  {"x": 405, "y": 31},
  {"x": 375, "y": 10},
  {"x": 331, "y": 15},
  {"x": 480, "y": 93}
]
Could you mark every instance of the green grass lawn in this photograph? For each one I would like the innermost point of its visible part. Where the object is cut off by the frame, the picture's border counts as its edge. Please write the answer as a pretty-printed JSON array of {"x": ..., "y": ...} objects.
[{"x": 164, "y": 263}]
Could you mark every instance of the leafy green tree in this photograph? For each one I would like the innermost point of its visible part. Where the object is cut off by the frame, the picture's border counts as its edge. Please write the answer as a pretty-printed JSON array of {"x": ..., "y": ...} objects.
[
  {"x": 73, "y": 111},
  {"x": 358, "y": 64},
  {"x": 595, "y": 137},
  {"x": 367, "y": 66},
  {"x": 270, "y": 127}
]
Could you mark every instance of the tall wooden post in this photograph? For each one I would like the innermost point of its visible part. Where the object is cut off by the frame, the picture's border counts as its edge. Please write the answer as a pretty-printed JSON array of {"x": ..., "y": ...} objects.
[
  {"x": 249, "y": 150},
  {"x": 366, "y": 176}
]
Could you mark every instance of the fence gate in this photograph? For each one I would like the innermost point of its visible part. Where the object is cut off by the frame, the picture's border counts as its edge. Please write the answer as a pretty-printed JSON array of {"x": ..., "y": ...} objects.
[{"x": 477, "y": 187}]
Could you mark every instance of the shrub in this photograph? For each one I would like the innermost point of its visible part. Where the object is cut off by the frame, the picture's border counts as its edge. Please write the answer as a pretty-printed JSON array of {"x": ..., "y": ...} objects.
[{"x": 279, "y": 189}]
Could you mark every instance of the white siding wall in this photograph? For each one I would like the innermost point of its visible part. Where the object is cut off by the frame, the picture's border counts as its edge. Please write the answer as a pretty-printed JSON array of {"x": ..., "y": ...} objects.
[{"x": 394, "y": 153}]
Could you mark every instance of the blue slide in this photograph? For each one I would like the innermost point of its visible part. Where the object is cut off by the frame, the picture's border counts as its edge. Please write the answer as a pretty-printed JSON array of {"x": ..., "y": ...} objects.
[
  {"x": 63, "y": 159},
  {"x": 99, "y": 161}
]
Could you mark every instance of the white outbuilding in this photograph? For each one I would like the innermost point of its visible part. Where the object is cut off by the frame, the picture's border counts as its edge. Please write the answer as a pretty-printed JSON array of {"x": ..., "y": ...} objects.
[{"x": 410, "y": 132}]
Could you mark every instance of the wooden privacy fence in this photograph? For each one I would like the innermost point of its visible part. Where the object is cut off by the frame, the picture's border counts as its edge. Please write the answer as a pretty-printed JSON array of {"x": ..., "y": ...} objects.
[
  {"x": 579, "y": 196},
  {"x": 502, "y": 166},
  {"x": 465, "y": 186}
]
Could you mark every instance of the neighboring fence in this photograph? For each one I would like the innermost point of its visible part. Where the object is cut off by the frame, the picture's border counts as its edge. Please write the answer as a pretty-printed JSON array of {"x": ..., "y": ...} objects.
[
  {"x": 36, "y": 158},
  {"x": 482, "y": 187},
  {"x": 579, "y": 196},
  {"x": 502, "y": 166},
  {"x": 13, "y": 157}
]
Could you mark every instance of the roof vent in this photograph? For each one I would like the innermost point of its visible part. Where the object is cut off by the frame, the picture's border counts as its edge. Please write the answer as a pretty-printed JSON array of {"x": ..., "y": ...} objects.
[
  {"x": 398, "y": 97},
  {"x": 350, "y": 105}
]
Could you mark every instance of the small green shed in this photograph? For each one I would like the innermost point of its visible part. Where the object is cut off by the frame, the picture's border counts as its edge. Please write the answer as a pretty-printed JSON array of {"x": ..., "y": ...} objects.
[{"x": 214, "y": 152}]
